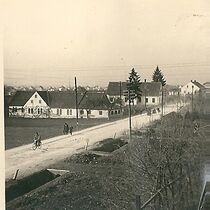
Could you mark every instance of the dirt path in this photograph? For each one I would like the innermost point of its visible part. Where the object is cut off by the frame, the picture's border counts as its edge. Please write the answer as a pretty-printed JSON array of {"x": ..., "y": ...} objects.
[{"x": 29, "y": 161}]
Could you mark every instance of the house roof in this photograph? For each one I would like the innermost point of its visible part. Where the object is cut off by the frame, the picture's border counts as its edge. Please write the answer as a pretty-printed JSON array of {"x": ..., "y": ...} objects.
[
  {"x": 152, "y": 88},
  {"x": 206, "y": 83},
  {"x": 114, "y": 88},
  {"x": 44, "y": 95},
  {"x": 20, "y": 98},
  {"x": 65, "y": 99},
  {"x": 198, "y": 84},
  {"x": 101, "y": 101}
]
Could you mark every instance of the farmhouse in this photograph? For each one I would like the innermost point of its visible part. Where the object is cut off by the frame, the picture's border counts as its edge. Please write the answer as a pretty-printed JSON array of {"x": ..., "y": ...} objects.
[
  {"x": 61, "y": 104},
  {"x": 192, "y": 87},
  {"x": 97, "y": 105},
  {"x": 29, "y": 104},
  {"x": 151, "y": 93}
]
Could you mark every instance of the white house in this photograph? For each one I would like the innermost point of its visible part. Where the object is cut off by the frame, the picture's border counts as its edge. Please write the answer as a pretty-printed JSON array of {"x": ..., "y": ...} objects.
[
  {"x": 61, "y": 104},
  {"x": 151, "y": 93},
  {"x": 192, "y": 87},
  {"x": 29, "y": 104}
]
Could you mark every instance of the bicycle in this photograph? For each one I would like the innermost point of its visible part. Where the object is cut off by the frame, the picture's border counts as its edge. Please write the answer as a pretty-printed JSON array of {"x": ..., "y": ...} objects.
[{"x": 36, "y": 145}]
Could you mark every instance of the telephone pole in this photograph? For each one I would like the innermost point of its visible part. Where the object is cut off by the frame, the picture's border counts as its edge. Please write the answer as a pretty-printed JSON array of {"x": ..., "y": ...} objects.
[
  {"x": 76, "y": 101},
  {"x": 129, "y": 113},
  {"x": 162, "y": 100},
  {"x": 192, "y": 97},
  {"x": 145, "y": 93},
  {"x": 121, "y": 97}
]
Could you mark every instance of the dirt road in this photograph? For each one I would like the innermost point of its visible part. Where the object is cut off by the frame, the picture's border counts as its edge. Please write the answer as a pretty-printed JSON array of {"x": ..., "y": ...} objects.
[{"x": 29, "y": 161}]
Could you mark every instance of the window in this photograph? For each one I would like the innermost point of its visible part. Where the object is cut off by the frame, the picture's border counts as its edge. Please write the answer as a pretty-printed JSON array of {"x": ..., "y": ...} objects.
[
  {"x": 35, "y": 96},
  {"x": 22, "y": 109},
  {"x": 41, "y": 110},
  {"x": 32, "y": 101},
  {"x": 38, "y": 110},
  {"x": 187, "y": 86},
  {"x": 67, "y": 111},
  {"x": 60, "y": 111},
  {"x": 70, "y": 111},
  {"x": 119, "y": 111},
  {"x": 115, "y": 111},
  {"x": 139, "y": 99},
  {"x": 40, "y": 101},
  {"x": 82, "y": 111},
  {"x": 111, "y": 99},
  {"x": 13, "y": 109},
  {"x": 153, "y": 100},
  {"x": 89, "y": 112},
  {"x": 100, "y": 112},
  {"x": 146, "y": 100},
  {"x": 29, "y": 110},
  {"x": 32, "y": 111},
  {"x": 112, "y": 112}
]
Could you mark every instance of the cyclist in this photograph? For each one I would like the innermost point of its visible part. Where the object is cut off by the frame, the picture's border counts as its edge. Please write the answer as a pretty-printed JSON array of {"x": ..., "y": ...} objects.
[{"x": 37, "y": 139}]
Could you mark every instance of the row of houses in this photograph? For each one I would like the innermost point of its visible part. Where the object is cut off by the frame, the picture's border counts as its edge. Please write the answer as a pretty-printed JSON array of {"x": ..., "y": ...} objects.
[
  {"x": 44, "y": 104},
  {"x": 62, "y": 104}
]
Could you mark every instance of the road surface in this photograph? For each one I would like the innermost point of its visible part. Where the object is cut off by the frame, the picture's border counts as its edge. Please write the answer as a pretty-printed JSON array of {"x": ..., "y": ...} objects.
[{"x": 54, "y": 149}]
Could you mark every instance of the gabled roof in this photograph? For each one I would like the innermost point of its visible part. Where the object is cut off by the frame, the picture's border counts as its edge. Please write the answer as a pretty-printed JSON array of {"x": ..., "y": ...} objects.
[
  {"x": 198, "y": 84},
  {"x": 114, "y": 88},
  {"x": 152, "y": 88},
  {"x": 44, "y": 95},
  {"x": 20, "y": 98},
  {"x": 65, "y": 99},
  {"x": 101, "y": 101}
]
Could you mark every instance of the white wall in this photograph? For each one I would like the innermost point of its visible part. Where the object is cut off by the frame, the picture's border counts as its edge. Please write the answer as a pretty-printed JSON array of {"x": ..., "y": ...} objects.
[
  {"x": 62, "y": 113},
  {"x": 157, "y": 100},
  {"x": 187, "y": 89},
  {"x": 95, "y": 114},
  {"x": 39, "y": 106}
]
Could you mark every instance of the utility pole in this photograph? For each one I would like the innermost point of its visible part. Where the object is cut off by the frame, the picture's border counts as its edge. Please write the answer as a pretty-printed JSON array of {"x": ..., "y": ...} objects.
[
  {"x": 121, "y": 97},
  {"x": 162, "y": 101},
  {"x": 76, "y": 101},
  {"x": 129, "y": 112},
  {"x": 145, "y": 93},
  {"x": 127, "y": 93},
  {"x": 192, "y": 97}
]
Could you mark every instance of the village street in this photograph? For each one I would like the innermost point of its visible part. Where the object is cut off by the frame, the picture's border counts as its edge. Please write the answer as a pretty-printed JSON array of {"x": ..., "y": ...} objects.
[{"x": 54, "y": 149}]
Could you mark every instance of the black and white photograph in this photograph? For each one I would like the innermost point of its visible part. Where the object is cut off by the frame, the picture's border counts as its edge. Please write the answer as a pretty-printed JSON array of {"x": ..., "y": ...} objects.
[{"x": 105, "y": 105}]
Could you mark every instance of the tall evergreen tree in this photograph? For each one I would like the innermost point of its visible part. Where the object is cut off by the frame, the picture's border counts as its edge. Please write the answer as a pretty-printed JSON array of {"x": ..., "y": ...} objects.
[
  {"x": 134, "y": 83},
  {"x": 158, "y": 76}
]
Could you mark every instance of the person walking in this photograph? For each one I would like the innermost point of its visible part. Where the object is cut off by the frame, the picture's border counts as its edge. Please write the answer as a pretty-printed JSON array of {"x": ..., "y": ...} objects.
[
  {"x": 37, "y": 139},
  {"x": 65, "y": 129},
  {"x": 71, "y": 129}
]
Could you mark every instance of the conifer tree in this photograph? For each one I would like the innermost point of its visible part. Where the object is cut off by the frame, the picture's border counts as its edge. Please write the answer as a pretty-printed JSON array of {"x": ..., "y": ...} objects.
[
  {"x": 158, "y": 76},
  {"x": 134, "y": 83}
]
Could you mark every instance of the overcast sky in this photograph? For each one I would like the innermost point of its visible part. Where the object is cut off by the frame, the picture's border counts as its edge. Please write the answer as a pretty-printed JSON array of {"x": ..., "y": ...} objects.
[{"x": 49, "y": 42}]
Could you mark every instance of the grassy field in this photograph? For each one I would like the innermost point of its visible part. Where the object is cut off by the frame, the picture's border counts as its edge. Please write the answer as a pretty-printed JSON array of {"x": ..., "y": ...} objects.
[
  {"x": 19, "y": 131},
  {"x": 94, "y": 182}
]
